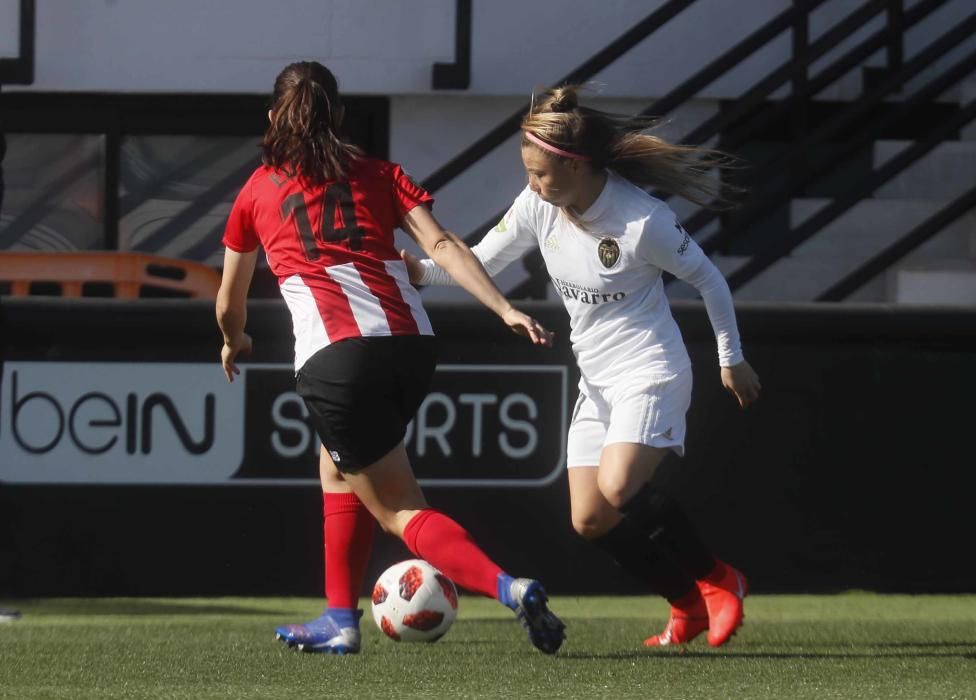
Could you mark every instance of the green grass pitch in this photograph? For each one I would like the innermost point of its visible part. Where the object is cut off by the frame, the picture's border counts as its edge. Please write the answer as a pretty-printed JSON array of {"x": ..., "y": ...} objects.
[{"x": 855, "y": 645}]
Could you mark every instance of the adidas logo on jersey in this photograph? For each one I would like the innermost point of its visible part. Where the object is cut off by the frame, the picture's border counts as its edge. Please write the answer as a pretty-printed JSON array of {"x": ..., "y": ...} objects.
[{"x": 502, "y": 226}]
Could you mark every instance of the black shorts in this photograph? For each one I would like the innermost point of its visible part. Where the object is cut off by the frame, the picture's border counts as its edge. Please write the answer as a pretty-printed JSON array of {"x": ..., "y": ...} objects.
[{"x": 362, "y": 392}]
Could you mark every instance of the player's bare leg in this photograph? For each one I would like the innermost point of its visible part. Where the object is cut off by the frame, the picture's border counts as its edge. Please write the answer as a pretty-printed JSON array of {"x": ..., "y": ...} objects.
[
  {"x": 625, "y": 467},
  {"x": 609, "y": 508},
  {"x": 592, "y": 514},
  {"x": 390, "y": 492}
]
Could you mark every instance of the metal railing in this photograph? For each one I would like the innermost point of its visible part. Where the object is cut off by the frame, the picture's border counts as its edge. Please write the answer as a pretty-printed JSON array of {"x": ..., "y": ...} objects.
[
  {"x": 785, "y": 174},
  {"x": 884, "y": 259},
  {"x": 765, "y": 199},
  {"x": 782, "y": 246},
  {"x": 586, "y": 70}
]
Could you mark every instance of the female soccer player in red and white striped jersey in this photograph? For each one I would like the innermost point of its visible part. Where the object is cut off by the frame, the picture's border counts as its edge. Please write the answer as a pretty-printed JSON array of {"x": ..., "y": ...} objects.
[{"x": 364, "y": 350}]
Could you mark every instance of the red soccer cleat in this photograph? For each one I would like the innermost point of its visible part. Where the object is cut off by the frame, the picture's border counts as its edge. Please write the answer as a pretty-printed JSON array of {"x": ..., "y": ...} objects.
[
  {"x": 723, "y": 590},
  {"x": 689, "y": 618}
]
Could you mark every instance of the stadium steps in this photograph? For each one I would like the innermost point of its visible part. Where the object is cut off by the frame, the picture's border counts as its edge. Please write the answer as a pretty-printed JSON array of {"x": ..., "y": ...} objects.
[{"x": 941, "y": 271}]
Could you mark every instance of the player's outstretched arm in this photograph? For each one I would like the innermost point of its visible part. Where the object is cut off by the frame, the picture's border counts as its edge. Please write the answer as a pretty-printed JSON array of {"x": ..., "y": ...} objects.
[
  {"x": 497, "y": 250},
  {"x": 232, "y": 307},
  {"x": 451, "y": 254}
]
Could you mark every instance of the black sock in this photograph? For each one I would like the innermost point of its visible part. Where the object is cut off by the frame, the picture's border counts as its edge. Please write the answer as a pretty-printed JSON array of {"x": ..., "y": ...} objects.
[
  {"x": 660, "y": 518},
  {"x": 631, "y": 549}
]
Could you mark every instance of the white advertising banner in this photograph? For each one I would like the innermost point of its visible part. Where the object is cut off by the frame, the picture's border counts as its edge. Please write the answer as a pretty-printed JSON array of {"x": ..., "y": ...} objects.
[{"x": 68, "y": 422}]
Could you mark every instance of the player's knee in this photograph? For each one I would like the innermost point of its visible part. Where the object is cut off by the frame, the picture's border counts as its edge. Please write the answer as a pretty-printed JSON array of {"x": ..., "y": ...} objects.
[
  {"x": 333, "y": 481},
  {"x": 591, "y": 525},
  {"x": 615, "y": 488},
  {"x": 390, "y": 523},
  {"x": 395, "y": 522},
  {"x": 390, "y": 528}
]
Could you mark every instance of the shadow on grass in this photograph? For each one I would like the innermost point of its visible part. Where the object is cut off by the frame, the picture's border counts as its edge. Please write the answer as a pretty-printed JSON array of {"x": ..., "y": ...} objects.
[
  {"x": 933, "y": 645},
  {"x": 116, "y": 607},
  {"x": 612, "y": 656},
  {"x": 677, "y": 655},
  {"x": 880, "y": 650},
  {"x": 867, "y": 654}
]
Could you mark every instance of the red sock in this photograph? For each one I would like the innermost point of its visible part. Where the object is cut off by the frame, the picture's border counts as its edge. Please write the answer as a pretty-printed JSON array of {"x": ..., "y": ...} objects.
[
  {"x": 348, "y": 535},
  {"x": 433, "y": 536}
]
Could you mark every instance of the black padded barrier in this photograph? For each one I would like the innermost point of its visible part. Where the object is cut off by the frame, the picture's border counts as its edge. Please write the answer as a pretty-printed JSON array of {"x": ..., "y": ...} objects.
[{"x": 855, "y": 469}]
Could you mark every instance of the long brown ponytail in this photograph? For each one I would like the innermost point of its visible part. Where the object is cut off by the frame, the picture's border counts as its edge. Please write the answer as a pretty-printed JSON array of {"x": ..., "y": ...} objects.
[
  {"x": 618, "y": 142},
  {"x": 303, "y": 138}
]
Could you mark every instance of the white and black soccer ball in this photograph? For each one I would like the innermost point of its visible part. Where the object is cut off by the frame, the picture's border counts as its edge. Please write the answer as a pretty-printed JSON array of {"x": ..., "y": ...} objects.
[{"x": 414, "y": 602}]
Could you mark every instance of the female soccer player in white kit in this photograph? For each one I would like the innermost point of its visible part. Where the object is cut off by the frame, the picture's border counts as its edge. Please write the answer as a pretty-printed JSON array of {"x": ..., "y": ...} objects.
[{"x": 606, "y": 243}]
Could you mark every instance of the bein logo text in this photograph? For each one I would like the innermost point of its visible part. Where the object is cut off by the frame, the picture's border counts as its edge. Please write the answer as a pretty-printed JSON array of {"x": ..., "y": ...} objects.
[{"x": 129, "y": 422}]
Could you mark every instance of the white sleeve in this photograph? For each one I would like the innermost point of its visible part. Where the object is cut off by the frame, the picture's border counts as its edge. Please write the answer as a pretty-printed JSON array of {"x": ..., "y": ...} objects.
[
  {"x": 667, "y": 245},
  {"x": 504, "y": 244}
]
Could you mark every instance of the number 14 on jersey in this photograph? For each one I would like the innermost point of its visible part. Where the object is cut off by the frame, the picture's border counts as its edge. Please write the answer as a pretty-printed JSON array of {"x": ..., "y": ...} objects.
[{"x": 337, "y": 196}]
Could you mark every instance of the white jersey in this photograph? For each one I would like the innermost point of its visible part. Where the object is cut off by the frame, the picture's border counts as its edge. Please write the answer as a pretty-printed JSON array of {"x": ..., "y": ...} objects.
[{"x": 609, "y": 276}]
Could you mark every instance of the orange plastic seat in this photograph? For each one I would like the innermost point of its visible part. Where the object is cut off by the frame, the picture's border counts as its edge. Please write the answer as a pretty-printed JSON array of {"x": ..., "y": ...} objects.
[{"x": 105, "y": 274}]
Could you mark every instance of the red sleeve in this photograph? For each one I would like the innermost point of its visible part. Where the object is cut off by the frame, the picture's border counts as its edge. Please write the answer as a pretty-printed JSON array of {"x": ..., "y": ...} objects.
[
  {"x": 407, "y": 194},
  {"x": 239, "y": 235}
]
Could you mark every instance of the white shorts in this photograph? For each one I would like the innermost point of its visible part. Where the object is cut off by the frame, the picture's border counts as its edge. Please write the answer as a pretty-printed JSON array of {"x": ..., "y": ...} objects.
[{"x": 646, "y": 413}]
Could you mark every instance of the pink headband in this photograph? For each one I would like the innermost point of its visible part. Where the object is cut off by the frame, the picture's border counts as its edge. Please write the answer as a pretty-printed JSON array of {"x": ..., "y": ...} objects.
[{"x": 553, "y": 149}]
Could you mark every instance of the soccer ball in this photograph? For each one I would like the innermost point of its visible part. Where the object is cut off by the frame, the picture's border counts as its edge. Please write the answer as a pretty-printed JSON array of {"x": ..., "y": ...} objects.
[{"x": 414, "y": 602}]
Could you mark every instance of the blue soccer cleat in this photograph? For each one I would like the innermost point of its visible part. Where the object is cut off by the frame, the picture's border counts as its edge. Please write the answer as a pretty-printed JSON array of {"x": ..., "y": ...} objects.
[
  {"x": 335, "y": 632},
  {"x": 546, "y": 631}
]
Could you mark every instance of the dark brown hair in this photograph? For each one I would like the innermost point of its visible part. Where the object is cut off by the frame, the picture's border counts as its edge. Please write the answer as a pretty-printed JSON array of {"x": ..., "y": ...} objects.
[
  {"x": 303, "y": 138},
  {"x": 617, "y": 142}
]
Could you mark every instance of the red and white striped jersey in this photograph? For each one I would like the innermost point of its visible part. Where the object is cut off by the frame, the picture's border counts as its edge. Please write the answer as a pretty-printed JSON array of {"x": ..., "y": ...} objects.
[{"x": 333, "y": 251}]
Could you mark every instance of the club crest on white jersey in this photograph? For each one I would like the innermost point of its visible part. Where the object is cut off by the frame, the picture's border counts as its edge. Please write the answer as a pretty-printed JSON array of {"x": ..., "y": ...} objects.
[{"x": 609, "y": 251}]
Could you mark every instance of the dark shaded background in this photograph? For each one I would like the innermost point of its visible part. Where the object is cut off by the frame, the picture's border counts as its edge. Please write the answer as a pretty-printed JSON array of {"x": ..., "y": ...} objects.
[{"x": 855, "y": 470}]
